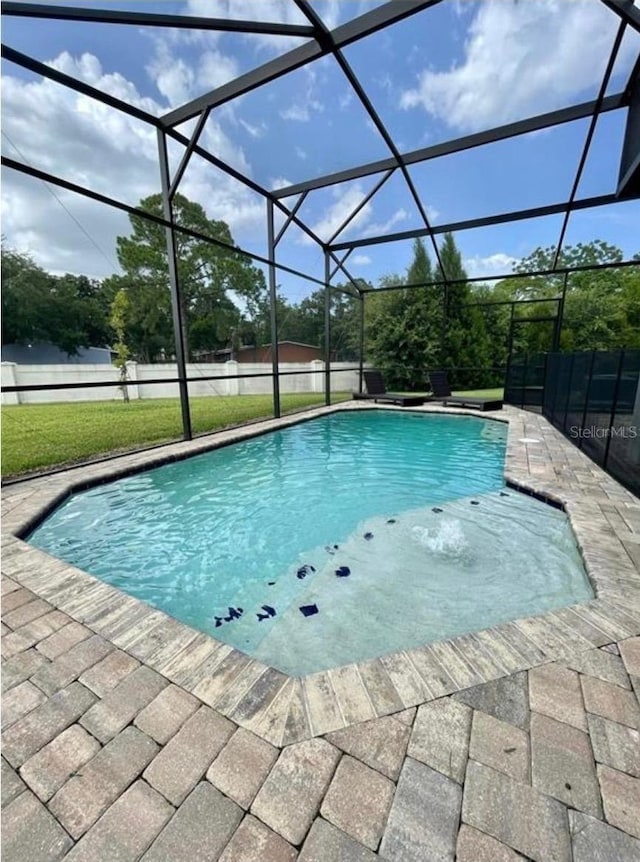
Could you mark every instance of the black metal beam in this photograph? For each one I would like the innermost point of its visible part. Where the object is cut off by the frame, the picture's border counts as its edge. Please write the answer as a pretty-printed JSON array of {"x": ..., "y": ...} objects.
[
  {"x": 365, "y": 200},
  {"x": 177, "y": 312},
  {"x": 626, "y": 10},
  {"x": 273, "y": 316},
  {"x": 547, "y": 319},
  {"x": 351, "y": 281},
  {"x": 486, "y": 221},
  {"x": 480, "y": 304},
  {"x": 258, "y": 189},
  {"x": 289, "y": 218},
  {"x": 46, "y": 71},
  {"x": 244, "y": 180},
  {"x": 186, "y": 157},
  {"x": 361, "y": 335},
  {"x": 154, "y": 381},
  {"x": 534, "y": 273},
  {"x": 136, "y": 211},
  {"x": 629, "y": 175},
  {"x": 327, "y": 42},
  {"x": 478, "y": 139},
  {"x": 152, "y": 19},
  {"x": 341, "y": 262},
  {"x": 327, "y": 332},
  {"x": 589, "y": 137},
  {"x": 557, "y": 332},
  {"x": 243, "y": 84},
  {"x": 391, "y": 12}
]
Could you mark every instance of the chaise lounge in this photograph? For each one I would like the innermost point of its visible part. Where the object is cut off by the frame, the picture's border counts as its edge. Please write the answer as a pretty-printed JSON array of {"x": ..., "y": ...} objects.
[
  {"x": 442, "y": 392},
  {"x": 376, "y": 391}
]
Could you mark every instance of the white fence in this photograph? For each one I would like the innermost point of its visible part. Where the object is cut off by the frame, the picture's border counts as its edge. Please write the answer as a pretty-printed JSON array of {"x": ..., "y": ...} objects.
[{"x": 306, "y": 377}]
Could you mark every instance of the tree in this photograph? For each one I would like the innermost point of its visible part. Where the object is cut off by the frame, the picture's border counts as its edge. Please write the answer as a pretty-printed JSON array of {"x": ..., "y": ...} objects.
[
  {"x": 412, "y": 330},
  {"x": 211, "y": 279},
  {"x": 602, "y": 306},
  {"x": 424, "y": 309},
  {"x": 305, "y": 322},
  {"x": 69, "y": 311},
  {"x": 404, "y": 326},
  {"x": 465, "y": 350},
  {"x": 118, "y": 320},
  {"x": 390, "y": 345}
]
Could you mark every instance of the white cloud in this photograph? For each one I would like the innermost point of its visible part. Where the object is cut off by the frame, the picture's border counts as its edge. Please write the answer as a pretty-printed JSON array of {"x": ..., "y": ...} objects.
[
  {"x": 519, "y": 59},
  {"x": 307, "y": 103},
  {"x": 301, "y": 112},
  {"x": 280, "y": 183},
  {"x": 398, "y": 216},
  {"x": 89, "y": 143},
  {"x": 336, "y": 214},
  {"x": 172, "y": 76},
  {"x": 88, "y": 68},
  {"x": 275, "y": 11},
  {"x": 34, "y": 223},
  {"x": 493, "y": 264},
  {"x": 215, "y": 69},
  {"x": 178, "y": 79},
  {"x": 360, "y": 260},
  {"x": 255, "y": 131}
]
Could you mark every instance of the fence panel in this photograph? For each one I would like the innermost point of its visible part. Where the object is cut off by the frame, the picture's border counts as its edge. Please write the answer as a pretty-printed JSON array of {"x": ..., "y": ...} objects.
[
  {"x": 593, "y": 398},
  {"x": 622, "y": 458},
  {"x": 231, "y": 378}
]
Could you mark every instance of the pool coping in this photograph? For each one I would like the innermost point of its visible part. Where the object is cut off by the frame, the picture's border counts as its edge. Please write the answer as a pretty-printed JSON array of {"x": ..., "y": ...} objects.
[{"x": 283, "y": 709}]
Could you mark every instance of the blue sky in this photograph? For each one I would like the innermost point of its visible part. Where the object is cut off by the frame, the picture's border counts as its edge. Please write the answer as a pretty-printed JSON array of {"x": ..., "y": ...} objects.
[{"x": 460, "y": 67}]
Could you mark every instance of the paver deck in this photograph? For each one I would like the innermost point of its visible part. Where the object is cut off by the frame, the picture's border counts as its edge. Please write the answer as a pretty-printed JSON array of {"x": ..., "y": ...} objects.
[{"x": 128, "y": 735}]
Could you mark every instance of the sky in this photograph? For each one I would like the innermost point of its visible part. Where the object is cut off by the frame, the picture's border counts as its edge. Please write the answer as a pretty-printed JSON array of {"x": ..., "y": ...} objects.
[{"x": 459, "y": 67}]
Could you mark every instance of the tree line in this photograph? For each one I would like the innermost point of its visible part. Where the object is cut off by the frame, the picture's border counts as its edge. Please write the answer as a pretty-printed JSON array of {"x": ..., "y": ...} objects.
[{"x": 447, "y": 323}]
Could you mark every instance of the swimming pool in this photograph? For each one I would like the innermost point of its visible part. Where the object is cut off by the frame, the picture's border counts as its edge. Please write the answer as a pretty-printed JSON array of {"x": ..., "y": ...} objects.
[{"x": 331, "y": 541}]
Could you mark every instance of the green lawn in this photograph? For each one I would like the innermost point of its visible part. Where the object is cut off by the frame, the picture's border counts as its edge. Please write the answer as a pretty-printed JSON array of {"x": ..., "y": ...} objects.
[
  {"x": 482, "y": 393},
  {"x": 35, "y": 436}
]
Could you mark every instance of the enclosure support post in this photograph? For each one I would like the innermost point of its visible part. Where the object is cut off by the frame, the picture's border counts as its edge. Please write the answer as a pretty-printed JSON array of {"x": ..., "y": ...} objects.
[
  {"x": 361, "y": 376},
  {"x": 511, "y": 319},
  {"x": 273, "y": 310},
  {"x": 174, "y": 284},
  {"x": 443, "y": 332},
  {"x": 327, "y": 331},
  {"x": 585, "y": 409},
  {"x": 557, "y": 332},
  {"x": 614, "y": 407},
  {"x": 568, "y": 398}
]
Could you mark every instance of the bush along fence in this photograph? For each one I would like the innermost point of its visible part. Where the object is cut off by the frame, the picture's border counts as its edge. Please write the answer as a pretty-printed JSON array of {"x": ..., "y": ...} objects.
[{"x": 592, "y": 397}]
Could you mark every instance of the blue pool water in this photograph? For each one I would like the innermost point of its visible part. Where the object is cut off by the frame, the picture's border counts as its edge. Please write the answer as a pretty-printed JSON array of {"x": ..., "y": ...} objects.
[{"x": 387, "y": 529}]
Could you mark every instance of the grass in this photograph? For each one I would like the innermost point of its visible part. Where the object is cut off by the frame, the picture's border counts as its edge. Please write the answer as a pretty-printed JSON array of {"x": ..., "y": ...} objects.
[
  {"x": 482, "y": 393},
  {"x": 36, "y": 436},
  {"x": 471, "y": 393}
]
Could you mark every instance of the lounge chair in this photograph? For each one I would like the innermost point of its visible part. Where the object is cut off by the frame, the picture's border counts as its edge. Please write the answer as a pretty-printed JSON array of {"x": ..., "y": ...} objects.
[
  {"x": 442, "y": 392},
  {"x": 376, "y": 391}
]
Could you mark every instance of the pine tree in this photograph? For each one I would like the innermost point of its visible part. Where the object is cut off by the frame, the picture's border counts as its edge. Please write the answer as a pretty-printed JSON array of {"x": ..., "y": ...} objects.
[
  {"x": 423, "y": 315},
  {"x": 465, "y": 339}
]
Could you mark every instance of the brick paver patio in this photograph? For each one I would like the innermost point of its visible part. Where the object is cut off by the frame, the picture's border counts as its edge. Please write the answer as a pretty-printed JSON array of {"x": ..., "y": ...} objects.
[{"x": 128, "y": 737}]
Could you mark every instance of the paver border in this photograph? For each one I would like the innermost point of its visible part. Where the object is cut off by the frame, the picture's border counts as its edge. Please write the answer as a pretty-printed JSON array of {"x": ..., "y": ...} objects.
[{"x": 283, "y": 709}]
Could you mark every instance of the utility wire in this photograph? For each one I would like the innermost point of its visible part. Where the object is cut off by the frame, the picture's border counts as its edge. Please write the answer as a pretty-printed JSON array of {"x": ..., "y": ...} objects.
[{"x": 110, "y": 261}]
